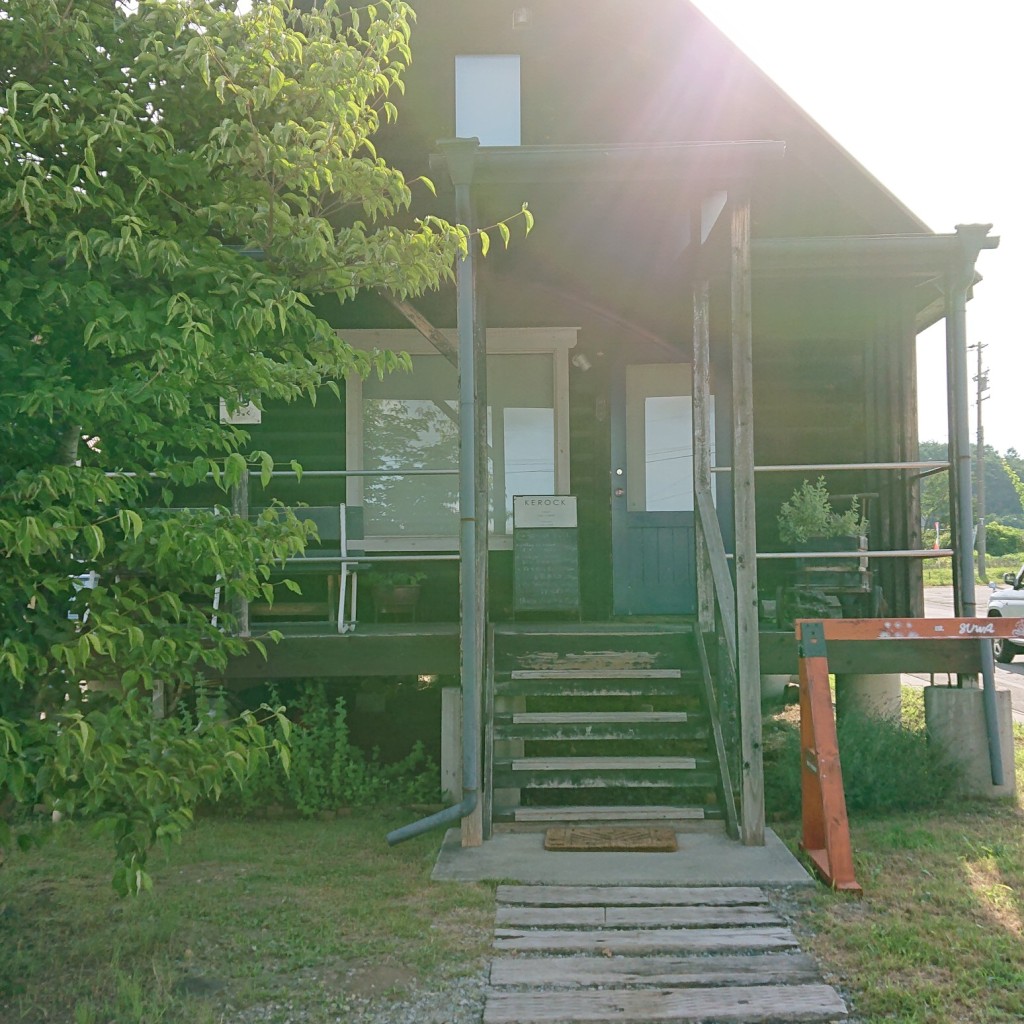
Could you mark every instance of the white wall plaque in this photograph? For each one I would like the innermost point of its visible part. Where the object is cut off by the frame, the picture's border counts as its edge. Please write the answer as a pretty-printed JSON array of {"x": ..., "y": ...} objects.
[
  {"x": 243, "y": 414},
  {"x": 543, "y": 511}
]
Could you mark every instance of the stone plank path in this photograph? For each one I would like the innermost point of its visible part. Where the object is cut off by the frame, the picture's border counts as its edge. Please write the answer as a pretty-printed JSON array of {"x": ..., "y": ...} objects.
[{"x": 645, "y": 954}]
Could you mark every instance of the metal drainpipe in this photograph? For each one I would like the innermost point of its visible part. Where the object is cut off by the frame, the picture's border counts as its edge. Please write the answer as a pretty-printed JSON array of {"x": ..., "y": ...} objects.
[
  {"x": 960, "y": 433},
  {"x": 460, "y": 157}
]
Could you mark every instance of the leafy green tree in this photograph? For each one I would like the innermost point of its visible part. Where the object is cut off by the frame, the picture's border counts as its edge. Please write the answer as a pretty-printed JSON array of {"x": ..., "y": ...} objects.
[
  {"x": 175, "y": 181},
  {"x": 1001, "y": 501}
]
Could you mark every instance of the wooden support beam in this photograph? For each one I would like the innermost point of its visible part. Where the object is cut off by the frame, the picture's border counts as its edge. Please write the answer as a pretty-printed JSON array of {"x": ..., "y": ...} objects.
[
  {"x": 436, "y": 338},
  {"x": 728, "y": 797},
  {"x": 747, "y": 640},
  {"x": 719, "y": 562}
]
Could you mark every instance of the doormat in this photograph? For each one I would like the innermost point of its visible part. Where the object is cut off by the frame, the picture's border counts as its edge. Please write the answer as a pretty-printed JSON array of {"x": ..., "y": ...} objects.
[{"x": 610, "y": 839}]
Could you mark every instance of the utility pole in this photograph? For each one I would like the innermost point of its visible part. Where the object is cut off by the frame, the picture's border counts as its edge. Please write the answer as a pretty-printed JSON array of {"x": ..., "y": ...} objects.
[{"x": 981, "y": 379}]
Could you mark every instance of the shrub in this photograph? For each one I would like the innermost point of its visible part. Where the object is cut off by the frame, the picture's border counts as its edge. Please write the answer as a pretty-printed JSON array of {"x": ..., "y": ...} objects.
[
  {"x": 808, "y": 513},
  {"x": 1003, "y": 540},
  {"x": 327, "y": 772},
  {"x": 887, "y": 766}
]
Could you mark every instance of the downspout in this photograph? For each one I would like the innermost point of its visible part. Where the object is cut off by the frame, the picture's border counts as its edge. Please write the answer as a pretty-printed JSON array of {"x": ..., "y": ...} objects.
[
  {"x": 972, "y": 239},
  {"x": 460, "y": 155}
]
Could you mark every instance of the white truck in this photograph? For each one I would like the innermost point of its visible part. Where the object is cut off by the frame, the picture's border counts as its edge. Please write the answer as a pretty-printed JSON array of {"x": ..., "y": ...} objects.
[{"x": 1009, "y": 604}]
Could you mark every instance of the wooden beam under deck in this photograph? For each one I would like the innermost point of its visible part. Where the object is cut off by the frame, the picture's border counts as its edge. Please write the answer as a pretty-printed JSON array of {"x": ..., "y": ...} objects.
[
  {"x": 869, "y": 657},
  {"x": 412, "y": 648},
  {"x": 372, "y": 650}
]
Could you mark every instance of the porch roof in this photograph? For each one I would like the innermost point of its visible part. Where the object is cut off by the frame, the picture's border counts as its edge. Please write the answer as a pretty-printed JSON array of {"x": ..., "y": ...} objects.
[
  {"x": 921, "y": 255},
  {"x": 469, "y": 163}
]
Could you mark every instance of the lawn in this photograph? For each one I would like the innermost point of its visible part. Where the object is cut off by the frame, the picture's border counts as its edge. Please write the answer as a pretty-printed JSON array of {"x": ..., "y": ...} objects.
[
  {"x": 938, "y": 572},
  {"x": 292, "y": 920},
  {"x": 938, "y": 936},
  {"x": 289, "y": 919}
]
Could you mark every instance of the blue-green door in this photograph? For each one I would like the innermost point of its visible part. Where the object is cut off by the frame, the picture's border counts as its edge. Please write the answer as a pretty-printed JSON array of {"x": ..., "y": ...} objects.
[{"x": 652, "y": 491}]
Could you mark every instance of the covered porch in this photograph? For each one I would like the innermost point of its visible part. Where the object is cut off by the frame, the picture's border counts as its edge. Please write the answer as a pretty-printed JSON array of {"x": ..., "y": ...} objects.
[{"x": 712, "y": 544}]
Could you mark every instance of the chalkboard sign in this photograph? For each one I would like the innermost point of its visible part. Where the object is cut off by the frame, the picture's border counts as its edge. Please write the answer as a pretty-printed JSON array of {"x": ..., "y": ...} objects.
[{"x": 546, "y": 564}]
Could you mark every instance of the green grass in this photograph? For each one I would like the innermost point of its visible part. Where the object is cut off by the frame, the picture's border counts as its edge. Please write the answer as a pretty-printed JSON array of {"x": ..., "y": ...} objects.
[
  {"x": 278, "y": 913},
  {"x": 938, "y": 936},
  {"x": 938, "y": 572},
  {"x": 242, "y": 914}
]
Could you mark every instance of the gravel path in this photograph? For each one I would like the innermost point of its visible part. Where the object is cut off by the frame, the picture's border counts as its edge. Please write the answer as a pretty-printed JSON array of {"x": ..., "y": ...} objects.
[{"x": 457, "y": 1001}]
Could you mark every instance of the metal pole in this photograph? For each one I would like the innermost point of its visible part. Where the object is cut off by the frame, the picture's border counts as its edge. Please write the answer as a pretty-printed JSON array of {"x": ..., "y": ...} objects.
[
  {"x": 460, "y": 155},
  {"x": 965, "y": 602},
  {"x": 240, "y": 508},
  {"x": 979, "y": 460}
]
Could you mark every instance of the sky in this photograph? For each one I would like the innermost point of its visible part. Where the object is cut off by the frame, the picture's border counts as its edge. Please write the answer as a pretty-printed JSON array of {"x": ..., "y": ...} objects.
[{"x": 929, "y": 96}]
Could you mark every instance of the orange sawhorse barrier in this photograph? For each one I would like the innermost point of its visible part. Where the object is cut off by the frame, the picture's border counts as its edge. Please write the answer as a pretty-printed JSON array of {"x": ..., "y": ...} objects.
[{"x": 826, "y": 828}]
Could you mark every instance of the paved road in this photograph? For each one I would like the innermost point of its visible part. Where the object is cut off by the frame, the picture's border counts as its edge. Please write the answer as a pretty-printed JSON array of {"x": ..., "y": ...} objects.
[{"x": 938, "y": 603}]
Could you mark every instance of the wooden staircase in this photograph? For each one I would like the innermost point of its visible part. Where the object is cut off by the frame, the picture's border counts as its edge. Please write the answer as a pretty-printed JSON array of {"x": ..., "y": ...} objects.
[{"x": 602, "y": 723}]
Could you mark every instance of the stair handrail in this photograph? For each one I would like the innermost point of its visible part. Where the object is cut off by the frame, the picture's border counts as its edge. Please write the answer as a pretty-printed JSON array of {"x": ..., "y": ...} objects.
[
  {"x": 725, "y": 592},
  {"x": 728, "y": 796}
]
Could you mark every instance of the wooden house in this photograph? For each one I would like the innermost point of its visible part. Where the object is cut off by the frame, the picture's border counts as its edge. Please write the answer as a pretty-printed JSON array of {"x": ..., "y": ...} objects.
[{"x": 716, "y": 303}]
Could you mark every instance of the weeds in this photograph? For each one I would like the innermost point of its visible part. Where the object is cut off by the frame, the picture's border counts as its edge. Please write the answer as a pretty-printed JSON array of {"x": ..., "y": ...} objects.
[
  {"x": 887, "y": 766},
  {"x": 327, "y": 772}
]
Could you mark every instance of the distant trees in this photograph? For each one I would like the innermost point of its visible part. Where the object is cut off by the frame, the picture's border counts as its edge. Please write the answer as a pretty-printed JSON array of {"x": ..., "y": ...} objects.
[{"x": 1003, "y": 505}]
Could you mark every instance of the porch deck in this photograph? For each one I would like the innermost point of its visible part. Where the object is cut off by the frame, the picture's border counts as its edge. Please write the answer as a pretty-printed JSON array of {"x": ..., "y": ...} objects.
[{"x": 315, "y": 648}]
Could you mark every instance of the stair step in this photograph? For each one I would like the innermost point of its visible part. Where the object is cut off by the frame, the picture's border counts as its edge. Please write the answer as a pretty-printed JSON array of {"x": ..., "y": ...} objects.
[
  {"x": 597, "y": 673},
  {"x": 598, "y": 717},
  {"x": 599, "y": 725},
  {"x": 602, "y": 772},
  {"x": 563, "y": 631},
  {"x": 586, "y": 764},
  {"x": 575, "y": 972},
  {"x": 617, "y": 813},
  {"x": 547, "y": 683},
  {"x": 746, "y": 1004},
  {"x": 610, "y": 917}
]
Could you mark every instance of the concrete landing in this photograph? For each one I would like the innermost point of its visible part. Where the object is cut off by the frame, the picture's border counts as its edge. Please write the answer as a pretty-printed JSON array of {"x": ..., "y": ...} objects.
[{"x": 703, "y": 858}]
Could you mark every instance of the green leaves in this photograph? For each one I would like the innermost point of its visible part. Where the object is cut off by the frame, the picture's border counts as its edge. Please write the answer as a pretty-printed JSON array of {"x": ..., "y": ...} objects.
[{"x": 503, "y": 229}]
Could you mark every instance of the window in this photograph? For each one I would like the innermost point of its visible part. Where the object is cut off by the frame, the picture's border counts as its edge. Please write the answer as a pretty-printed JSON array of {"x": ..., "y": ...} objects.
[
  {"x": 487, "y": 99},
  {"x": 659, "y": 438},
  {"x": 410, "y": 421}
]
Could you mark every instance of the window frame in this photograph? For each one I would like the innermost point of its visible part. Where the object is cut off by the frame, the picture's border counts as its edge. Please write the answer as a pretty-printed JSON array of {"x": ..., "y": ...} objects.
[{"x": 555, "y": 342}]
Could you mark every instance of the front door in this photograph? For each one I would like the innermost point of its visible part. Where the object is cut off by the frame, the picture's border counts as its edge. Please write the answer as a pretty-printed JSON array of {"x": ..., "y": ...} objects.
[{"x": 652, "y": 492}]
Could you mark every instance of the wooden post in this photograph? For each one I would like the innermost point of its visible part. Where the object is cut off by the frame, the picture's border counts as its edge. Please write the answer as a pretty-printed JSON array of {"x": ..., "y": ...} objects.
[
  {"x": 747, "y": 639},
  {"x": 910, "y": 450},
  {"x": 702, "y": 435}
]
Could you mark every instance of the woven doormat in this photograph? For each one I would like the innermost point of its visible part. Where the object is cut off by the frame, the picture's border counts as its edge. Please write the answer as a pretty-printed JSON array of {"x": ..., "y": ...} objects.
[{"x": 610, "y": 839}]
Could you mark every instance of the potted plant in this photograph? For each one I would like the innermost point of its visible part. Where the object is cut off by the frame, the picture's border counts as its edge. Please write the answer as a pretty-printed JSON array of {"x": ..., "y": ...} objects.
[
  {"x": 823, "y": 587},
  {"x": 395, "y": 592},
  {"x": 807, "y": 520}
]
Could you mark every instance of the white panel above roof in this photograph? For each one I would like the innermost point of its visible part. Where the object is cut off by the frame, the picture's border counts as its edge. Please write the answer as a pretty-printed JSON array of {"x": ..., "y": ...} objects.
[{"x": 487, "y": 98}]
